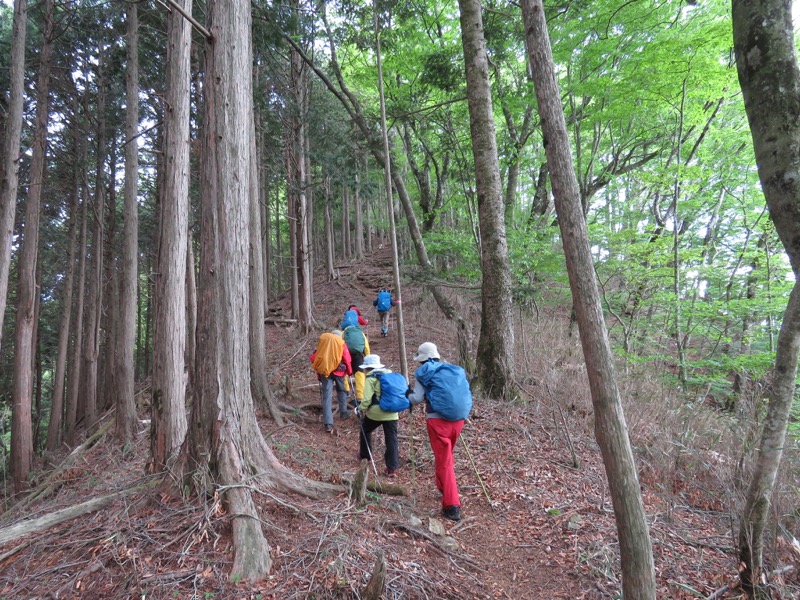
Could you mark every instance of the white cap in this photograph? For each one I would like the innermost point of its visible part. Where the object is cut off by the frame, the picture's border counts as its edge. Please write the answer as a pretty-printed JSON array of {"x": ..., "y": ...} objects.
[
  {"x": 426, "y": 350},
  {"x": 371, "y": 361}
]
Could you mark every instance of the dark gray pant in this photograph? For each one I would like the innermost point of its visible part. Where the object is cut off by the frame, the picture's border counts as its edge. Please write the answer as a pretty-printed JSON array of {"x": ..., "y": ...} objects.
[{"x": 389, "y": 432}]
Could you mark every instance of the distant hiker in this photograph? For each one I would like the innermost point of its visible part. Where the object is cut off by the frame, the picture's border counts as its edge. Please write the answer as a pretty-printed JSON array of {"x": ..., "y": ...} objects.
[
  {"x": 358, "y": 345},
  {"x": 384, "y": 395},
  {"x": 448, "y": 402},
  {"x": 384, "y": 302},
  {"x": 331, "y": 361},
  {"x": 361, "y": 320}
]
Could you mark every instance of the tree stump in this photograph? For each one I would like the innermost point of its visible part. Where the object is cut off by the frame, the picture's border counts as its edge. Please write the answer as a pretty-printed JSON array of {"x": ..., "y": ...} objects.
[
  {"x": 359, "y": 485},
  {"x": 374, "y": 587}
]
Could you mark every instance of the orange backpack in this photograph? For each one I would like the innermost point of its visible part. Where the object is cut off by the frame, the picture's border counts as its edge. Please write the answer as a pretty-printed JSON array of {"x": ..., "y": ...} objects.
[{"x": 329, "y": 354}]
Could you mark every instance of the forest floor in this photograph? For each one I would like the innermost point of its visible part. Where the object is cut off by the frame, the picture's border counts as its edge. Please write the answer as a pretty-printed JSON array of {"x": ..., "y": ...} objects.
[{"x": 535, "y": 526}]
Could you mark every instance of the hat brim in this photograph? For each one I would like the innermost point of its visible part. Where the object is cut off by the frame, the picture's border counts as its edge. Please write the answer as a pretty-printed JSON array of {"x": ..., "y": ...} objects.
[{"x": 378, "y": 366}]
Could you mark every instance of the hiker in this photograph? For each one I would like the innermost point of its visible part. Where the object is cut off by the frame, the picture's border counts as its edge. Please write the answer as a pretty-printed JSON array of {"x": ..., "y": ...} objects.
[
  {"x": 381, "y": 387},
  {"x": 448, "y": 402},
  {"x": 331, "y": 361},
  {"x": 358, "y": 345},
  {"x": 361, "y": 320},
  {"x": 384, "y": 302}
]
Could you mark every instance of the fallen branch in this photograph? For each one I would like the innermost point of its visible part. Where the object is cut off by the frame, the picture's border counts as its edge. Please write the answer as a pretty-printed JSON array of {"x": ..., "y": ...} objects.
[
  {"x": 50, "y": 485},
  {"x": 433, "y": 540},
  {"x": 277, "y": 320},
  {"x": 47, "y": 521}
]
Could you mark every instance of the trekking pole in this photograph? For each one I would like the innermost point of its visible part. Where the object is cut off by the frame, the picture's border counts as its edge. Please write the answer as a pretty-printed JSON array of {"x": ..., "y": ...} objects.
[
  {"x": 475, "y": 468},
  {"x": 366, "y": 443}
]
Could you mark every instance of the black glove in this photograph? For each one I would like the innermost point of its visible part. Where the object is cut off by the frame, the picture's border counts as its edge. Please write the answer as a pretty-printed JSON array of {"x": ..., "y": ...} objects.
[{"x": 409, "y": 391}]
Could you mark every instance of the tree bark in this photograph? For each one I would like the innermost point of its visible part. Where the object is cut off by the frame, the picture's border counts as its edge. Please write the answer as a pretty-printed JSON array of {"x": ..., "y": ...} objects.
[
  {"x": 258, "y": 344},
  {"x": 74, "y": 378},
  {"x": 769, "y": 76},
  {"x": 126, "y": 406},
  {"x": 87, "y": 405},
  {"x": 638, "y": 572},
  {"x": 9, "y": 158},
  {"x": 54, "y": 428},
  {"x": 495, "y": 359},
  {"x": 168, "y": 423},
  {"x": 27, "y": 290},
  {"x": 224, "y": 440}
]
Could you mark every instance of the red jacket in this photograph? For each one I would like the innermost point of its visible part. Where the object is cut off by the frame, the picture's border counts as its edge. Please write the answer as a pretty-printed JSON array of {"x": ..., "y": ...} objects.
[{"x": 361, "y": 320}]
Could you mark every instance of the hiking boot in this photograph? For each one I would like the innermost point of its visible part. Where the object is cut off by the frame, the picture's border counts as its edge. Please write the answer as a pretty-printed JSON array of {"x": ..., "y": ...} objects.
[
  {"x": 328, "y": 428},
  {"x": 391, "y": 474},
  {"x": 345, "y": 416},
  {"x": 452, "y": 512}
]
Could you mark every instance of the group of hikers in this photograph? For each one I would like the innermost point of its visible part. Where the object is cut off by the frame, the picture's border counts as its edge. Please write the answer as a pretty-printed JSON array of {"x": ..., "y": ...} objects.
[{"x": 343, "y": 361}]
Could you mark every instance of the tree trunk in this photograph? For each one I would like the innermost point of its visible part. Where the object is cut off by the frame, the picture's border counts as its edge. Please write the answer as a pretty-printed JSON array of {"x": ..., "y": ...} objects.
[
  {"x": 126, "y": 406},
  {"x": 190, "y": 354},
  {"x": 74, "y": 378},
  {"x": 57, "y": 408},
  {"x": 224, "y": 438},
  {"x": 9, "y": 158},
  {"x": 259, "y": 385},
  {"x": 302, "y": 239},
  {"x": 495, "y": 359},
  {"x": 769, "y": 76},
  {"x": 359, "y": 232},
  {"x": 21, "y": 431},
  {"x": 638, "y": 572},
  {"x": 329, "y": 245},
  {"x": 87, "y": 405},
  {"x": 168, "y": 424}
]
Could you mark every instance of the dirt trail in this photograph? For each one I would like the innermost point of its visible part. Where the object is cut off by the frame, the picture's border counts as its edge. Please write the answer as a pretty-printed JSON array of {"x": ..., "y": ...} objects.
[{"x": 534, "y": 526}]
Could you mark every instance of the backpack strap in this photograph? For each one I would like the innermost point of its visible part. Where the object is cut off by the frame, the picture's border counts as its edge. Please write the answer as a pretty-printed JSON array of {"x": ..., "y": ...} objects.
[{"x": 373, "y": 401}]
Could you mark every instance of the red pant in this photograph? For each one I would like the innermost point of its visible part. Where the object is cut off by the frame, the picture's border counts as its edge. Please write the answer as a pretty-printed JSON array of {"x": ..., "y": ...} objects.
[{"x": 443, "y": 436}]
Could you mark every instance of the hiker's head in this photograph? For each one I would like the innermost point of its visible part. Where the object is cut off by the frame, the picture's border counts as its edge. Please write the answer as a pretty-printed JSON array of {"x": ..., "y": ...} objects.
[
  {"x": 426, "y": 351},
  {"x": 371, "y": 361},
  {"x": 337, "y": 332},
  {"x": 384, "y": 290},
  {"x": 352, "y": 307}
]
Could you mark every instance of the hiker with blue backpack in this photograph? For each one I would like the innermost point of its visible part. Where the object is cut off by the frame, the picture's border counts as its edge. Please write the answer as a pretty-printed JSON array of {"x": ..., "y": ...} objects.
[
  {"x": 448, "y": 402},
  {"x": 384, "y": 397},
  {"x": 384, "y": 303}
]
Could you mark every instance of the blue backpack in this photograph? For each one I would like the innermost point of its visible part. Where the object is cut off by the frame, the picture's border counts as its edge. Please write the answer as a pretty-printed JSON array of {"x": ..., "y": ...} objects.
[
  {"x": 384, "y": 301},
  {"x": 393, "y": 392},
  {"x": 446, "y": 388},
  {"x": 350, "y": 319}
]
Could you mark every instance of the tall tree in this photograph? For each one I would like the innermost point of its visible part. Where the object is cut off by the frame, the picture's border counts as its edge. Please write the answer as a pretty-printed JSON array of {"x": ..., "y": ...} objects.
[
  {"x": 54, "y": 427},
  {"x": 224, "y": 441},
  {"x": 126, "y": 406},
  {"x": 636, "y": 554},
  {"x": 21, "y": 431},
  {"x": 168, "y": 424},
  {"x": 766, "y": 61},
  {"x": 495, "y": 359},
  {"x": 9, "y": 159}
]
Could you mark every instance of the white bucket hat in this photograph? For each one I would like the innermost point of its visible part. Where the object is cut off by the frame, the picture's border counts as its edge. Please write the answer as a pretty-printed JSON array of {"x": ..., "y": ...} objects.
[
  {"x": 337, "y": 332},
  {"x": 371, "y": 361},
  {"x": 426, "y": 351}
]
